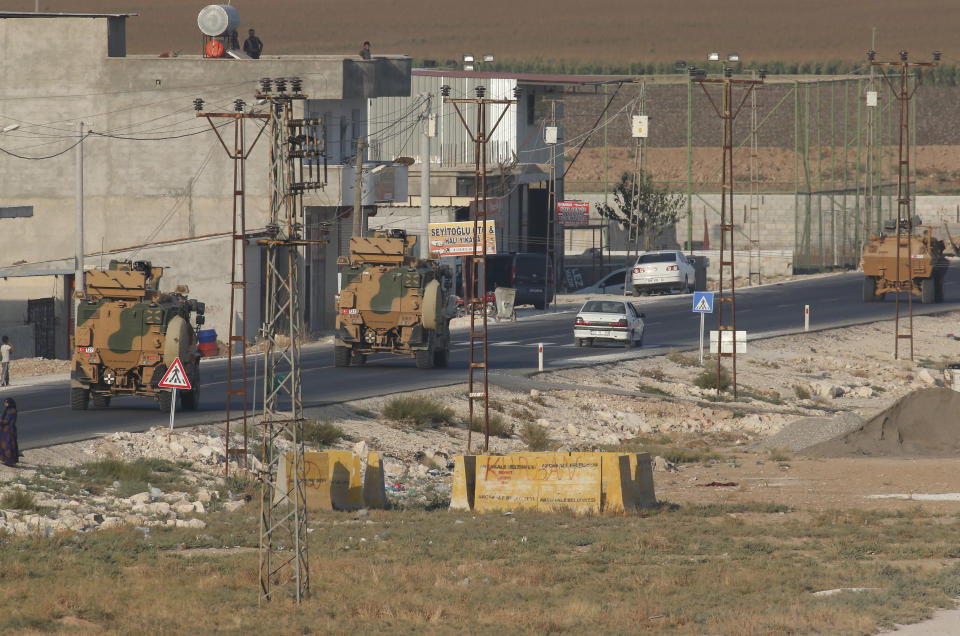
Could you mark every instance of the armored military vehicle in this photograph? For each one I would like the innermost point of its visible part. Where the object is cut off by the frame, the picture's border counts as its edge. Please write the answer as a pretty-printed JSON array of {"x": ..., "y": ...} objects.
[
  {"x": 128, "y": 333},
  {"x": 922, "y": 268},
  {"x": 392, "y": 302}
]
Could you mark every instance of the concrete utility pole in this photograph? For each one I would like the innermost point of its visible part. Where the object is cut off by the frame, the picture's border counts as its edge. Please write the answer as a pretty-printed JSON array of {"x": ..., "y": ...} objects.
[
  {"x": 425, "y": 179},
  {"x": 358, "y": 191},
  {"x": 79, "y": 287}
]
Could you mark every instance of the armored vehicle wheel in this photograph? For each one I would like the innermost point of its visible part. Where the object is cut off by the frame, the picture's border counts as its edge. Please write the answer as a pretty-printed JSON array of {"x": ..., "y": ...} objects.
[
  {"x": 441, "y": 357},
  {"x": 358, "y": 358},
  {"x": 101, "y": 401},
  {"x": 928, "y": 291},
  {"x": 938, "y": 289},
  {"x": 539, "y": 304},
  {"x": 869, "y": 289},
  {"x": 164, "y": 399},
  {"x": 341, "y": 356},
  {"x": 190, "y": 400},
  {"x": 425, "y": 358},
  {"x": 79, "y": 398}
]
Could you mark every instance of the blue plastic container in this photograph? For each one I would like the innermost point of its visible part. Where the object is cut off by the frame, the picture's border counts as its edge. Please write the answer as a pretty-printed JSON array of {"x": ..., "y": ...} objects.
[{"x": 207, "y": 335}]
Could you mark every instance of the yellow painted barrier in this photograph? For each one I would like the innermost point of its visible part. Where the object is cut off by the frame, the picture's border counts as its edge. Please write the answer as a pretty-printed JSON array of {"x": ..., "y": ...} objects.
[
  {"x": 336, "y": 480},
  {"x": 582, "y": 482}
]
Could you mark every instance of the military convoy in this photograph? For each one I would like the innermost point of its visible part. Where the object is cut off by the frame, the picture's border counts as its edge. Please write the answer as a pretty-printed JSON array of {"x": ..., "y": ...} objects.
[
  {"x": 128, "y": 333},
  {"x": 392, "y": 302},
  {"x": 922, "y": 268}
]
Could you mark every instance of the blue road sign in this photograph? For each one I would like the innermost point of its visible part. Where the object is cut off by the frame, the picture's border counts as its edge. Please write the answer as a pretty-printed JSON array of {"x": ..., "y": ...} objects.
[{"x": 703, "y": 302}]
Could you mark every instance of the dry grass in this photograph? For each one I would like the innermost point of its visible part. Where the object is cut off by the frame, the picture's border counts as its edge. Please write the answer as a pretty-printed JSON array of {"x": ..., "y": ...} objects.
[
  {"x": 692, "y": 569},
  {"x": 621, "y": 31}
]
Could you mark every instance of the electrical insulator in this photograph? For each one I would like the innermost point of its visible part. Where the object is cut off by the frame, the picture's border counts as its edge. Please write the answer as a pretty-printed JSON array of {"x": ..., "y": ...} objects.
[
  {"x": 297, "y": 84},
  {"x": 198, "y": 104},
  {"x": 445, "y": 90},
  {"x": 903, "y": 55},
  {"x": 281, "y": 83},
  {"x": 480, "y": 90},
  {"x": 871, "y": 55},
  {"x": 238, "y": 105},
  {"x": 517, "y": 91},
  {"x": 265, "y": 85}
]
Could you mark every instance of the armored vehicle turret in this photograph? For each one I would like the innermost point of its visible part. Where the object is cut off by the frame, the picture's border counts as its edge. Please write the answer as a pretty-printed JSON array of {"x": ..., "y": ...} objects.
[{"x": 922, "y": 266}]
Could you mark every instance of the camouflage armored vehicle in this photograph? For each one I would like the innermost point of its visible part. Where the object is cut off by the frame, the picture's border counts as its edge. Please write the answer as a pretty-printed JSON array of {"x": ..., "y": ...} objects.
[
  {"x": 392, "y": 302},
  {"x": 128, "y": 332},
  {"x": 922, "y": 264}
]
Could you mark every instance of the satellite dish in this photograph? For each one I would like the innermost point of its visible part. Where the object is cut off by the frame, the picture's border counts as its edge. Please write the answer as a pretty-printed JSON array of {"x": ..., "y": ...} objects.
[
  {"x": 218, "y": 19},
  {"x": 407, "y": 161}
]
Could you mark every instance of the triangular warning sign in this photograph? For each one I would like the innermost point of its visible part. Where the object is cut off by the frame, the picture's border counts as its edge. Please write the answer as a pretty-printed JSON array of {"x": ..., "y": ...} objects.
[
  {"x": 703, "y": 305},
  {"x": 175, "y": 377}
]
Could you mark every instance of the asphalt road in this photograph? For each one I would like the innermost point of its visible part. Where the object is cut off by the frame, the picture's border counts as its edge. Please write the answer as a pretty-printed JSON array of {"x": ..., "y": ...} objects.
[{"x": 46, "y": 419}]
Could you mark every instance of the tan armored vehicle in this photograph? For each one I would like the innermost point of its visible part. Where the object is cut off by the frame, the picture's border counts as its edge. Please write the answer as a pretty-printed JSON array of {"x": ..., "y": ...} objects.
[
  {"x": 128, "y": 333},
  {"x": 922, "y": 264},
  {"x": 392, "y": 302}
]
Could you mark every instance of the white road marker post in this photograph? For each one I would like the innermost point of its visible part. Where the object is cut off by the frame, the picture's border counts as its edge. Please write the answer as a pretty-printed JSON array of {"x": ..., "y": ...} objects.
[
  {"x": 540, "y": 356},
  {"x": 173, "y": 406},
  {"x": 806, "y": 317},
  {"x": 701, "y": 337}
]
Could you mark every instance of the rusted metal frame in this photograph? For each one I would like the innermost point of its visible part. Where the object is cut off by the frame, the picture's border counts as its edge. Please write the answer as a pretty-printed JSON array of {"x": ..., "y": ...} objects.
[
  {"x": 592, "y": 129},
  {"x": 460, "y": 115},
  {"x": 484, "y": 135}
]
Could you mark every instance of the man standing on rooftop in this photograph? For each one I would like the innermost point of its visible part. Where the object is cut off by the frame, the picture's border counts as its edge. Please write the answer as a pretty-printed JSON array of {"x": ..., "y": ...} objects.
[{"x": 252, "y": 46}]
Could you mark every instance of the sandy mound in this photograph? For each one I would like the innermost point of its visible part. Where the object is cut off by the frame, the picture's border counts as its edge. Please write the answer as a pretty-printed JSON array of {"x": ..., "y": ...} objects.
[{"x": 924, "y": 423}]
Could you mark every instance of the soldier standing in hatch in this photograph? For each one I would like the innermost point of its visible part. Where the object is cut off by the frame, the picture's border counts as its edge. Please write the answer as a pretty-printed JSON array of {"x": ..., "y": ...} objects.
[
  {"x": 252, "y": 46},
  {"x": 365, "y": 51},
  {"x": 5, "y": 350}
]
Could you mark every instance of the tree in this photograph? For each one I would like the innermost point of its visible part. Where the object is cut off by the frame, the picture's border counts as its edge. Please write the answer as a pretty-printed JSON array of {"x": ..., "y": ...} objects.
[{"x": 641, "y": 207}]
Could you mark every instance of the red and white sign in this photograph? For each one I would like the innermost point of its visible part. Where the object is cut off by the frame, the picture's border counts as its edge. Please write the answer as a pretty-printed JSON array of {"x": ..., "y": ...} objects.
[
  {"x": 175, "y": 377},
  {"x": 573, "y": 212}
]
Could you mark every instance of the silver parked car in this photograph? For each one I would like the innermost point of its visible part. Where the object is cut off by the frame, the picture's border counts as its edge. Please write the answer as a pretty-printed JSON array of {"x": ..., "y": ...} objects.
[
  {"x": 663, "y": 270},
  {"x": 613, "y": 320}
]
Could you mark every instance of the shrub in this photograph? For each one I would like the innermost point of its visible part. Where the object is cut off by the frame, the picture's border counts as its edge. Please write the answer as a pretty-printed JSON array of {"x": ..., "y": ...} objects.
[
  {"x": 18, "y": 500},
  {"x": 420, "y": 412},
  {"x": 709, "y": 379},
  {"x": 321, "y": 432},
  {"x": 779, "y": 455},
  {"x": 536, "y": 437},
  {"x": 499, "y": 427},
  {"x": 683, "y": 359},
  {"x": 361, "y": 412},
  {"x": 801, "y": 392}
]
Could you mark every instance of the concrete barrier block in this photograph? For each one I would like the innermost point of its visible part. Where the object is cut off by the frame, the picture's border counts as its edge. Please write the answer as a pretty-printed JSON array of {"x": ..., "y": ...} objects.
[
  {"x": 464, "y": 482},
  {"x": 374, "y": 492},
  {"x": 332, "y": 480},
  {"x": 582, "y": 482},
  {"x": 538, "y": 481}
]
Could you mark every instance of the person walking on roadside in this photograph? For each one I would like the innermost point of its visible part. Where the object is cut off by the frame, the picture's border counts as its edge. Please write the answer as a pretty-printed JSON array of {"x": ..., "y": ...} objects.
[
  {"x": 9, "y": 449},
  {"x": 253, "y": 46},
  {"x": 5, "y": 350}
]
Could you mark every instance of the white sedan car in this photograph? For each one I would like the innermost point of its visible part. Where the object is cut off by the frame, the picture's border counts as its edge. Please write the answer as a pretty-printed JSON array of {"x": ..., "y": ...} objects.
[
  {"x": 613, "y": 320},
  {"x": 662, "y": 270}
]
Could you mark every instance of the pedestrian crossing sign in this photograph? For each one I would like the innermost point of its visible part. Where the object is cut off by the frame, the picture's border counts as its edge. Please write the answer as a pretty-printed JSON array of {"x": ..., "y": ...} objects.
[
  {"x": 703, "y": 302},
  {"x": 175, "y": 377}
]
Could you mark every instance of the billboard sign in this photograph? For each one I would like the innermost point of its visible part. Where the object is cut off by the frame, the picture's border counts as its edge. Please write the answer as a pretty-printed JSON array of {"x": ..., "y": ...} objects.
[
  {"x": 573, "y": 212},
  {"x": 456, "y": 239}
]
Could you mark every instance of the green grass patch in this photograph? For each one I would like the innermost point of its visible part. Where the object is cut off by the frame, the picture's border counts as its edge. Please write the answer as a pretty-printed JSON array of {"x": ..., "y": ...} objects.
[
  {"x": 361, "y": 412},
  {"x": 499, "y": 426},
  {"x": 321, "y": 432},
  {"x": 19, "y": 500},
  {"x": 133, "y": 476},
  {"x": 710, "y": 376},
  {"x": 801, "y": 392},
  {"x": 536, "y": 437},
  {"x": 674, "y": 451},
  {"x": 418, "y": 412},
  {"x": 684, "y": 359}
]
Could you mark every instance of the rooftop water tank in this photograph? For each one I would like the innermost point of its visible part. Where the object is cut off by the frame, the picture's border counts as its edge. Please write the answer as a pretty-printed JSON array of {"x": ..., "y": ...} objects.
[{"x": 218, "y": 19}]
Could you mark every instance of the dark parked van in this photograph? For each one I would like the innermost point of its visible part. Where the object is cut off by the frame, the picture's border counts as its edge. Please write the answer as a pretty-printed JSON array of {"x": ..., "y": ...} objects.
[{"x": 523, "y": 271}]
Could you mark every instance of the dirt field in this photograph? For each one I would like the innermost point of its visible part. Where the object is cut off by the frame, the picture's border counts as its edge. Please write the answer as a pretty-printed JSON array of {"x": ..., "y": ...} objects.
[{"x": 623, "y": 31}]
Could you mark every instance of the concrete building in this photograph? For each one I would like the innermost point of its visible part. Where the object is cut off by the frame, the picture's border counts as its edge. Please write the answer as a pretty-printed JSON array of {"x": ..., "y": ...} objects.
[
  {"x": 520, "y": 162},
  {"x": 157, "y": 183}
]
